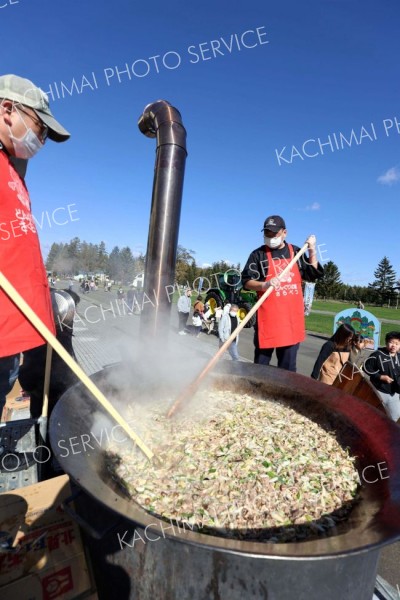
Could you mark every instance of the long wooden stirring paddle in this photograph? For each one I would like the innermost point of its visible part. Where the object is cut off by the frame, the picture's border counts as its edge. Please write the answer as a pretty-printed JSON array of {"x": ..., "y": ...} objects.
[
  {"x": 55, "y": 344},
  {"x": 192, "y": 387}
]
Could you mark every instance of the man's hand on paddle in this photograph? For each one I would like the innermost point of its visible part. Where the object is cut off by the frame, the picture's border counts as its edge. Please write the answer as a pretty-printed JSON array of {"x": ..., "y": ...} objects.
[
  {"x": 312, "y": 242},
  {"x": 274, "y": 282}
]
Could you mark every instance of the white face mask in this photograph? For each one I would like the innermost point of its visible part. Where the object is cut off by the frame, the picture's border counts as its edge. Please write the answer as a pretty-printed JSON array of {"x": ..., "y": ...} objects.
[
  {"x": 274, "y": 242},
  {"x": 26, "y": 146},
  {"x": 232, "y": 314}
]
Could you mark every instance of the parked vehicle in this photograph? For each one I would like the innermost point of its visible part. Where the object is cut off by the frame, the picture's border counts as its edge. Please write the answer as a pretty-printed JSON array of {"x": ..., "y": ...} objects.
[{"x": 230, "y": 290}]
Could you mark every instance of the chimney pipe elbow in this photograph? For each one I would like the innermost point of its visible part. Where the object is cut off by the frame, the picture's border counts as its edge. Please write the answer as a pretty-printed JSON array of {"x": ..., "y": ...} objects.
[{"x": 161, "y": 120}]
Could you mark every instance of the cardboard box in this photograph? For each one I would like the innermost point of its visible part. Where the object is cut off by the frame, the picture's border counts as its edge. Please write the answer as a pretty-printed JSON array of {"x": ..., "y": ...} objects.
[
  {"x": 44, "y": 557},
  {"x": 13, "y": 406}
]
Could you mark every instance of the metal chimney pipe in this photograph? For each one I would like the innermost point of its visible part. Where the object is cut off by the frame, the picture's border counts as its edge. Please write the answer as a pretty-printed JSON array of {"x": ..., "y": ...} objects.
[{"x": 163, "y": 121}]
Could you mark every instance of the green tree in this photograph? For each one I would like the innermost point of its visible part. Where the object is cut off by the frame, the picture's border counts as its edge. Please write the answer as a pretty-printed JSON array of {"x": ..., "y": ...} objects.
[
  {"x": 102, "y": 259},
  {"x": 114, "y": 264},
  {"x": 221, "y": 266},
  {"x": 52, "y": 256},
  {"x": 215, "y": 271},
  {"x": 330, "y": 285},
  {"x": 73, "y": 250},
  {"x": 58, "y": 260},
  {"x": 193, "y": 273},
  {"x": 184, "y": 258},
  {"x": 140, "y": 262},
  {"x": 385, "y": 281},
  {"x": 88, "y": 257},
  {"x": 127, "y": 265}
]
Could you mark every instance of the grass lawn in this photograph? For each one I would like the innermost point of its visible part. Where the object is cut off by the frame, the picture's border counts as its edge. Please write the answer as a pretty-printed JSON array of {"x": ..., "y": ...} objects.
[
  {"x": 378, "y": 311},
  {"x": 320, "y": 323},
  {"x": 332, "y": 306},
  {"x": 324, "y": 324},
  {"x": 176, "y": 295}
]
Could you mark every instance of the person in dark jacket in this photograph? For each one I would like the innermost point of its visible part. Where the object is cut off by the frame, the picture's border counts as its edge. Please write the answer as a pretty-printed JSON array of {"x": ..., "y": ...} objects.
[
  {"x": 31, "y": 375},
  {"x": 383, "y": 367},
  {"x": 333, "y": 355},
  {"x": 130, "y": 299},
  {"x": 280, "y": 324}
]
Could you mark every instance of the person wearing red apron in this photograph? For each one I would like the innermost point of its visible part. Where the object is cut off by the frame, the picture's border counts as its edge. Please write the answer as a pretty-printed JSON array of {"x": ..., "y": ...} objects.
[
  {"x": 280, "y": 319},
  {"x": 25, "y": 124}
]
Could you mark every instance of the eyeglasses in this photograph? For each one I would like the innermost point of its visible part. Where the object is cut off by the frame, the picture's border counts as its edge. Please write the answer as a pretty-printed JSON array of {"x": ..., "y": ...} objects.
[{"x": 44, "y": 130}]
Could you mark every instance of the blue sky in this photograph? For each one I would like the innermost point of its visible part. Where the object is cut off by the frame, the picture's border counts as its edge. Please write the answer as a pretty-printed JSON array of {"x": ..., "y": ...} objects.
[{"x": 329, "y": 67}]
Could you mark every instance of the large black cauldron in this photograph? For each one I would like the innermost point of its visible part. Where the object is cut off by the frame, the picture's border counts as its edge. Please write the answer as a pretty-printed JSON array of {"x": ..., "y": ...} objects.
[{"x": 184, "y": 565}]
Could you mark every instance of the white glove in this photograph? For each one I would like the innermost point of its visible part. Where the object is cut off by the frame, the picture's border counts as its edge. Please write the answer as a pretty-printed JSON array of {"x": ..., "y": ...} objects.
[
  {"x": 274, "y": 282},
  {"x": 312, "y": 242}
]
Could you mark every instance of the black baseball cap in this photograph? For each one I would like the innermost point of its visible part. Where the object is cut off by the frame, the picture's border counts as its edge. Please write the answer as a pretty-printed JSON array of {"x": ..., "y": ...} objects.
[{"x": 274, "y": 223}]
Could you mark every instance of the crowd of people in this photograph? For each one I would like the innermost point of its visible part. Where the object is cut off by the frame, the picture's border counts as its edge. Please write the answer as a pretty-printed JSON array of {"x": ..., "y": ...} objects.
[
  {"x": 346, "y": 346},
  {"x": 280, "y": 323},
  {"x": 26, "y": 123},
  {"x": 382, "y": 366},
  {"x": 87, "y": 285},
  {"x": 202, "y": 315}
]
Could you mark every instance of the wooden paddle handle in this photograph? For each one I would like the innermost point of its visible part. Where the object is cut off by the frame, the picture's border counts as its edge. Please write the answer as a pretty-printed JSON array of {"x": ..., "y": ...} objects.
[
  {"x": 55, "y": 344},
  {"x": 192, "y": 388},
  {"x": 46, "y": 387}
]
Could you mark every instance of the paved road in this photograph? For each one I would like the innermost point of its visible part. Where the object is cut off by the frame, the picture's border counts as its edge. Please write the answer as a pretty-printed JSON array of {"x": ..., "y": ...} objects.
[{"x": 105, "y": 333}]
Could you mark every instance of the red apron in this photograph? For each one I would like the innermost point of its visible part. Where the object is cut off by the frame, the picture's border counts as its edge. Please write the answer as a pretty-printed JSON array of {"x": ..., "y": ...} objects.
[
  {"x": 280, "y": 319},
  {"x": 21, "y": 262}
]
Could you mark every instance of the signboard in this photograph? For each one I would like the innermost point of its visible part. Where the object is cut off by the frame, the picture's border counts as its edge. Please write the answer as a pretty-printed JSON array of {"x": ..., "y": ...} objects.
[
  {"x": 363, "y": 322},
  {"x": 309, "y": 290}
]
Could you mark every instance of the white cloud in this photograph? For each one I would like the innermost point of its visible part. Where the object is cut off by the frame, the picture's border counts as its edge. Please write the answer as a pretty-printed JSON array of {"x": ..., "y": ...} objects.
[
  {"x": 313, "y": 206},
  {"x": 390, "y": 177},
  {"x": 205, "y": 265}
]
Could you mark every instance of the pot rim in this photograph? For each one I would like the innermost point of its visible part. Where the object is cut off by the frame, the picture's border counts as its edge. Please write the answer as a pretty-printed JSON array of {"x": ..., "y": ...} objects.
[{"x": 373, "y": 523}]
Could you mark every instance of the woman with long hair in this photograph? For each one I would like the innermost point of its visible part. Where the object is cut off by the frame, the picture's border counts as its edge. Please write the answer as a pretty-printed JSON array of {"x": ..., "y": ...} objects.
[
  {"x": 333, "y": 355},
  {"x": 357, "y": 355}
]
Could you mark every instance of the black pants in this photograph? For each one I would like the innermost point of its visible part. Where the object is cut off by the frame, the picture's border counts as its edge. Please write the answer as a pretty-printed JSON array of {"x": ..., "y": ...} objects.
[
  {"x": 183, "y": 317},
  {"x": 31, "y": 375},
  {"x": 286, "y": 355}
]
